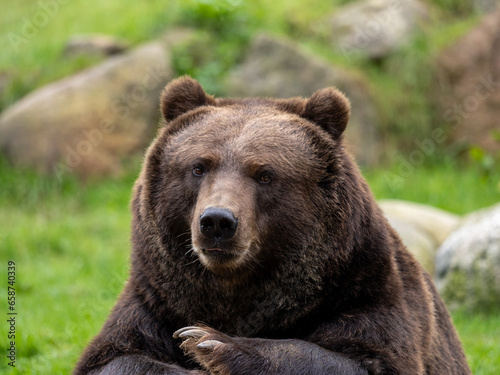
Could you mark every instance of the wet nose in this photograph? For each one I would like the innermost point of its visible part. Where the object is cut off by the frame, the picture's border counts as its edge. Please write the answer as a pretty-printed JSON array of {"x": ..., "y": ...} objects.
[{"x": 218, "y": 223}]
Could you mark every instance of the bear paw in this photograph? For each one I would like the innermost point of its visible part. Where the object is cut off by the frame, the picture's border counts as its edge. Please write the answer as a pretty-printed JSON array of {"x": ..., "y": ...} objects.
[{"x": 215, "y": 351}]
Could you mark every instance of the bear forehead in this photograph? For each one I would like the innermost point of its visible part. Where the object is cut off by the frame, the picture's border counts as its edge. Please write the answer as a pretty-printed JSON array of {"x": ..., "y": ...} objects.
[{"x": 248, "y": 134}]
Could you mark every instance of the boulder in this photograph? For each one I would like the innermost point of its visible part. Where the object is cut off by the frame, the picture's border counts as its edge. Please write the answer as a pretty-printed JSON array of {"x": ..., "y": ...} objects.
[
  {"x": 89, "y": 122},
  {"x": 94, "y": 45},
  {"x": 468, "y": 95},
  {"x": 374, "y": 28},
  {"x": 422, "y": 228},
  {"x": 437, "y": 223},
  {"x": 468, "y": 263},
  {"x": 277, "y": 67}
]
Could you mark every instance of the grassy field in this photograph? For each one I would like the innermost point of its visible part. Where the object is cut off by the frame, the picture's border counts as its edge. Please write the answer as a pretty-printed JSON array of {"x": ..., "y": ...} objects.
[{"x": 70, "y": 244}]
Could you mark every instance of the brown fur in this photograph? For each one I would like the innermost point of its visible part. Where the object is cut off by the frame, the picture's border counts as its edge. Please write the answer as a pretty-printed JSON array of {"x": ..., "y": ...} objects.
[{"x": 314, "y": 281}]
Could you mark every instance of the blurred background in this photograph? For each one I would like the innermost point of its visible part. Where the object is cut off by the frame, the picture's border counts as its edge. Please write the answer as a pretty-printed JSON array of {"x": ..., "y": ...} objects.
[{"x": 79, "y": 98}]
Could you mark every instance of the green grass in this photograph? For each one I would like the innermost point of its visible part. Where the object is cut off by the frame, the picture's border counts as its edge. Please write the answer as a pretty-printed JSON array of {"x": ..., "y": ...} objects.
[
  {"x": 70, "y": 243},
  {"x": 479, "y": 335},
  {"x": 453, "y": 187}
]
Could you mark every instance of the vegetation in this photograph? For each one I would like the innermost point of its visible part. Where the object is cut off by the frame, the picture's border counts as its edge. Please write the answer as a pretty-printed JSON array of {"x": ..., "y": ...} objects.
[
  {"x": 70, "y": 242},
  {"x": 70, "y": 246}
]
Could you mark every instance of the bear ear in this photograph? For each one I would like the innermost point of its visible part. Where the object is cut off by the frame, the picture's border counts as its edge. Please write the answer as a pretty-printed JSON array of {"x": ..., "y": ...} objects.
[
  {"x": 183, "y": 95},
  {"x": 330, "y": 109}
]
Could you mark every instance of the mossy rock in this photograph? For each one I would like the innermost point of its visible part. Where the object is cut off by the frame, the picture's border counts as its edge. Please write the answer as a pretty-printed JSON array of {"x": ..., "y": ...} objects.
[{"x": 468, "y": 263}]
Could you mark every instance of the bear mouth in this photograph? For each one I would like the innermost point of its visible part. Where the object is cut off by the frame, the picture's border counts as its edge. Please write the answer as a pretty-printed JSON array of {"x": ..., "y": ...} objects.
[
  {"x": 219, "y": 255},
  {"x": 226, "y": 261}
]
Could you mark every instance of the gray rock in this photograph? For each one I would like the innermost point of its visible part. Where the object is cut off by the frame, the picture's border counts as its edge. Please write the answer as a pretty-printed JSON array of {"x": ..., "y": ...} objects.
[
  {"x": 468, "y": 263},
  {"x": 374, "y": 27},
  {"x": 94, "y": 45},
  {"x": 422, "y": 228},
  {"x": 276, "y": 67},
  {"x": 88, "y": 123},
  {"x": 436, "y": 223}
]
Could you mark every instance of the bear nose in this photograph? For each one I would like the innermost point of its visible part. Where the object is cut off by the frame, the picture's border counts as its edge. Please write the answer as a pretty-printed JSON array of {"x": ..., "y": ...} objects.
[{"x": 218, "y": 223}]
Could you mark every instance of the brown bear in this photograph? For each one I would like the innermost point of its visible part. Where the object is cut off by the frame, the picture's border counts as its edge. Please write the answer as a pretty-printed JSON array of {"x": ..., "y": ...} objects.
[{"x": 258, "y": 248}]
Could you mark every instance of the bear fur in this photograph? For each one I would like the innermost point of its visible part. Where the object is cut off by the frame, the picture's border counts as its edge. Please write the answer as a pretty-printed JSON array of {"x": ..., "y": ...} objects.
[{"x": 258, "y": 248}]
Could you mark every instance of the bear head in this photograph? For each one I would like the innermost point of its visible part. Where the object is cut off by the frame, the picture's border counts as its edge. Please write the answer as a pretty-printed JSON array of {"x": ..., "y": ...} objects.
[
  {"x": 234, "y": 192},
  {"x": 235, "y": 180}
]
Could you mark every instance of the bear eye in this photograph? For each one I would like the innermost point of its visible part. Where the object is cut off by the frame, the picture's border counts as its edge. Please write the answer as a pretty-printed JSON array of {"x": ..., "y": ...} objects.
[
  {"x": 198, "y": 171},
  {"x": 265, "y": 178}
]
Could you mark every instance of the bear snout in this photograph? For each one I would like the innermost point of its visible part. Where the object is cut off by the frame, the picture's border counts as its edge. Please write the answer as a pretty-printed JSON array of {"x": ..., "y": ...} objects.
[
  {"x": 218, "y": 224},
  {"x": 221, "y": 240}
]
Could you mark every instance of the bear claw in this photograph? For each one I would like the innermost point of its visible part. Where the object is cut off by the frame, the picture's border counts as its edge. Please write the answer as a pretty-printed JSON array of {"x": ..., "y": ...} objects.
[
  {"x": 191, "y": 331},
  {"x": 209, "y": 344}
]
